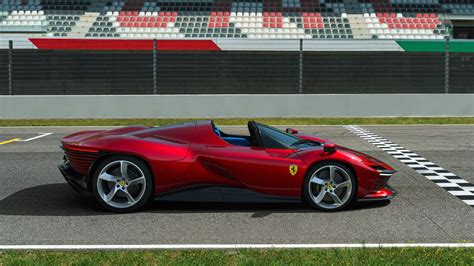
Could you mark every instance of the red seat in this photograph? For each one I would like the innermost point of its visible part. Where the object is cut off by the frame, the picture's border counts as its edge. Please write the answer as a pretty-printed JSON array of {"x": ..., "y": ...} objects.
[
  {"x": 150, "y": 24},
  {"x": 433, "y": 16},
  {"x": 135, "y": 13}
]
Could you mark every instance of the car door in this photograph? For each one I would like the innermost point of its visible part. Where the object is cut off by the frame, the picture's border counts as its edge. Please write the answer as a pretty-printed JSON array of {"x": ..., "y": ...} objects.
[{"x": 257, "y": 168}]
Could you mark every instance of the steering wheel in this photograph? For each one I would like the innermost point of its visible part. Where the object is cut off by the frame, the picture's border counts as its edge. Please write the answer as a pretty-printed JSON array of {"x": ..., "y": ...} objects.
[{"x": 254, "y": 134}]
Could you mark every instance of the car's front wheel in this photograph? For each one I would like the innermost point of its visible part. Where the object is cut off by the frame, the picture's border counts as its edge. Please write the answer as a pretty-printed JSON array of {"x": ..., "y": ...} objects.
[
  {"x": 329, "y": 186},
  {"x": 122, "y": 184}
]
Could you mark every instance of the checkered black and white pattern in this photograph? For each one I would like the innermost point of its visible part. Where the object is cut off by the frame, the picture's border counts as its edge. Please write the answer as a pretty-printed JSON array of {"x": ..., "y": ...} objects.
[{"x": 452, "y": 183}]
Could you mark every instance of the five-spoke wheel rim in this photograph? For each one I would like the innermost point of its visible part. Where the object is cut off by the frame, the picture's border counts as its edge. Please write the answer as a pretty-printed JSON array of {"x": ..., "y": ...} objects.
[
  {"x": 330, "y": 187},
  {"x": 121, "y": 184}
]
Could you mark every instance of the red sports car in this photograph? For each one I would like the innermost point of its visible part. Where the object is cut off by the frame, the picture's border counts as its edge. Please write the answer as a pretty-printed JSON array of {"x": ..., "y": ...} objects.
[{"x": 127, "y": 167}]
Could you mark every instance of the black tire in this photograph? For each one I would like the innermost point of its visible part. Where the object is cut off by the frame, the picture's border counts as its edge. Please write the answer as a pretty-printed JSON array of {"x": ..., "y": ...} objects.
[
  {"x": 306, "y": 191},
  {"x": 149, "y": 187}
]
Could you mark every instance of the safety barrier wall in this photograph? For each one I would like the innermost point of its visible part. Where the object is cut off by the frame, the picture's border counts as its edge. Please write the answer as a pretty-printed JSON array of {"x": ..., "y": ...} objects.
[
  {"x": 213, "y": 106},
  {"x": 317, "y": 67}
]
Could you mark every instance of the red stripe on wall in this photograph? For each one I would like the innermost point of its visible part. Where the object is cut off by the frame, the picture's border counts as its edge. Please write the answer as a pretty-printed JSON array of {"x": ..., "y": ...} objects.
[
  {"x": 91, "y": 44},
  {"x": 181, "y": 45},
  {"x": 114, "y": 45}
]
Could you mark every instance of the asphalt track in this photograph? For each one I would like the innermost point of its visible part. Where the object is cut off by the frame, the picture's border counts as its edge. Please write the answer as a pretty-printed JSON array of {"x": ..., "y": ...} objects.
[{"x": 37, "y": 206}]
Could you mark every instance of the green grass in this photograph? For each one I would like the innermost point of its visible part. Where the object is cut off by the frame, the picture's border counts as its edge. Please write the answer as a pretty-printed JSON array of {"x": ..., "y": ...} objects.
[
  {"x": 243, "y": 121},
  {"x": 379, "y": 256}
]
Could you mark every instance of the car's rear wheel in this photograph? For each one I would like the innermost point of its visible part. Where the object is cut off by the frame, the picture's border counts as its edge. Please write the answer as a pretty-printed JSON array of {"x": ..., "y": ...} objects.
[
  {"x": 329, "y": 186},
  {"x": 122, "y": 184}
]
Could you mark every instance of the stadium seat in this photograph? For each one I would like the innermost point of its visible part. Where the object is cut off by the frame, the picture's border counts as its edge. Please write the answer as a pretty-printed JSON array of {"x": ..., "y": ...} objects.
[{"x": 259, "y": 19}]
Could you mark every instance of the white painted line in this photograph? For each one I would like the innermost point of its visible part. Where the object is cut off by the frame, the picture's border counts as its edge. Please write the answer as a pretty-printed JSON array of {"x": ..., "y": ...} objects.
[
  {"x": 461, "y": 193},
  {"x": 232, "y": 246},
  {"x": 41, "y": 135}
]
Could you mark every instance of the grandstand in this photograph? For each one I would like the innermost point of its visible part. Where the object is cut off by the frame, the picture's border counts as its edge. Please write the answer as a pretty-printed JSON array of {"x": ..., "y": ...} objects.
[
  {"x": 236, "y": 46},
  {"x": 232, "y": 19}
]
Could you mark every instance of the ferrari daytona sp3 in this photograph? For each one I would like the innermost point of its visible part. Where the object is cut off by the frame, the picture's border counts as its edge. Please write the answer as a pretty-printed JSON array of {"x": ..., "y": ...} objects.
[{"x": 127, "y": 167}]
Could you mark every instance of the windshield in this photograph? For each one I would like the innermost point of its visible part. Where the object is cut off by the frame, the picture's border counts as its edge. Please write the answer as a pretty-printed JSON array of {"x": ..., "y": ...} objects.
[{"x": 275, "y": 138}]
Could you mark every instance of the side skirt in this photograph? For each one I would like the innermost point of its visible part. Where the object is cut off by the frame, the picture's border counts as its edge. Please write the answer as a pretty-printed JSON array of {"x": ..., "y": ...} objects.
[{"x": 213, "y": 193}]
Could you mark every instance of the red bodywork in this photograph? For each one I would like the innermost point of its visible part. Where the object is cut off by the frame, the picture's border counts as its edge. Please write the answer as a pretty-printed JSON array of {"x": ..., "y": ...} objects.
[{"x": 192, "y": 154}]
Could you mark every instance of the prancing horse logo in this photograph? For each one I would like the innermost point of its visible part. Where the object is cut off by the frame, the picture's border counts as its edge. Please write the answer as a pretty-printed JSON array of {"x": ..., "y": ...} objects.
[{"x": 293, "y": 169}]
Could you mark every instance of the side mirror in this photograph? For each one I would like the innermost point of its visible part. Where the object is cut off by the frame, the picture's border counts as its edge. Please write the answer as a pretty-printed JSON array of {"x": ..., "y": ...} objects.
[
  {"x": 292, "y": 131},
  {"x": 329, "y": 147}
]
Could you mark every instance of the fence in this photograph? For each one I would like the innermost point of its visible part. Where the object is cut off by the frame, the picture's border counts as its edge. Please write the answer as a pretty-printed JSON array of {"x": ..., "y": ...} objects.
[{"x": 70, "y": 72}]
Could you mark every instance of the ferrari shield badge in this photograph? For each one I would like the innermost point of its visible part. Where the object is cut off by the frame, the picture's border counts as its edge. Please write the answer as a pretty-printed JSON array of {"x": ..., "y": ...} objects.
[{"x": 293, "y": 169}]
